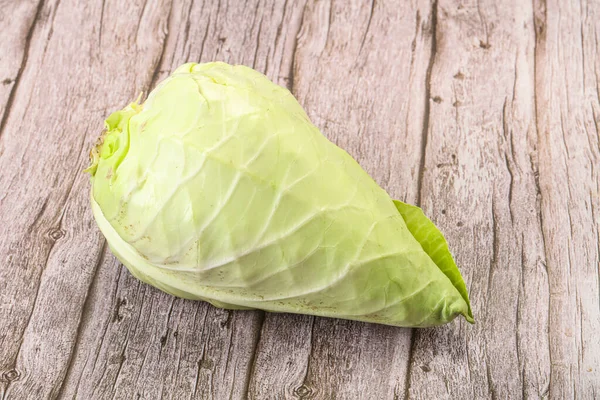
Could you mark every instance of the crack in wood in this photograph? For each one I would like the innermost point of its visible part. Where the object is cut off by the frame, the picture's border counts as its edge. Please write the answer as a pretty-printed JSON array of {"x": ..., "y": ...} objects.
[
  {"x": 255, "y": 349},
  {"x": 427, "y": 107},
  {"x": 364, "y": 38},
  {"x": 84, "y": 314},
  {"x": 292, "y": 69},
  {"x": 156, "y": 72},
  {"x": 17, "y": 78}
]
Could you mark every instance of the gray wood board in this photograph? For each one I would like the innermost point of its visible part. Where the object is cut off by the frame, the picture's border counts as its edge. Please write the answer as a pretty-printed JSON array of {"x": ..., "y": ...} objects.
[{"x": 485, "y": 113}]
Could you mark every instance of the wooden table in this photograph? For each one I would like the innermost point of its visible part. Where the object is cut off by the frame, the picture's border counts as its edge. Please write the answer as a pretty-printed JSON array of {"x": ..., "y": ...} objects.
[{"x": 485, "y": 113}]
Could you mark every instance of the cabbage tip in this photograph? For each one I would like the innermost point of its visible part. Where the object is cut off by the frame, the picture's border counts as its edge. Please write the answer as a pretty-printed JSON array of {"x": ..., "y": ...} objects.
[{"x": 219, "y": 188}]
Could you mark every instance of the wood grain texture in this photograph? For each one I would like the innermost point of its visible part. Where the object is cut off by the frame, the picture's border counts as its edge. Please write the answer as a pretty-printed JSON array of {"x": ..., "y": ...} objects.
[
  {"x": 485, "y": 113},
  {"x": 51, "y": 254},
  {"x": 18, "y": 21},
  {"x": 479, "y": 184},
  {"x": 567, "y": 119}
]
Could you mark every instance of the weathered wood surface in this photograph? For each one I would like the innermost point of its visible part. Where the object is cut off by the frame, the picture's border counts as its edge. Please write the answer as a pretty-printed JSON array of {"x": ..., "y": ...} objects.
[{"x": 486, "y": 113}]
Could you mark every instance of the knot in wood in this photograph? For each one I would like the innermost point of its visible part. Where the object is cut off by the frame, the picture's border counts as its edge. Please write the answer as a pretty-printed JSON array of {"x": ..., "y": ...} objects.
[
  {"x": 11, "y": 375},
  {"x": 56, "y": 233},
  {"x": 302, "y": 391}
]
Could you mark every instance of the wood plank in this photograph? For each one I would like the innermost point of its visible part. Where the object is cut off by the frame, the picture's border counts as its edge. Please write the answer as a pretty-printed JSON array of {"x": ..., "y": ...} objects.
[
  {"x": 53, "y": 247},
  {"x": 360, "y": 71},
  {"x": 480, "y": 184},
  {"x": 18, "y": 22},
  {"x": 485, "y": 147},
  {"x": 143, "y": 342},
  {"x": 568, "y": 116}
]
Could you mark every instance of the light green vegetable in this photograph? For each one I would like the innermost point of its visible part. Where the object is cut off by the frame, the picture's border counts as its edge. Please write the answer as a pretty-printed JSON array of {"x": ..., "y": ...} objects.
[{"x": 219, "y": 188}]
